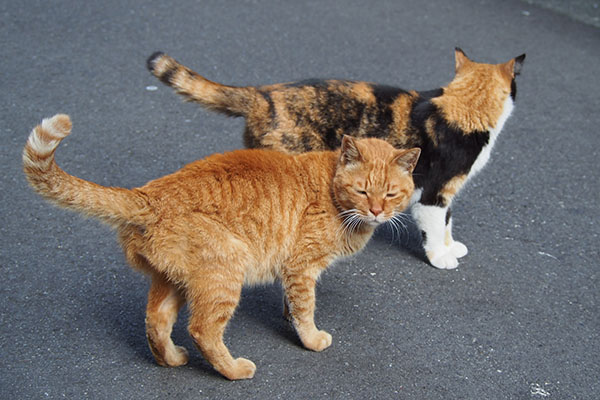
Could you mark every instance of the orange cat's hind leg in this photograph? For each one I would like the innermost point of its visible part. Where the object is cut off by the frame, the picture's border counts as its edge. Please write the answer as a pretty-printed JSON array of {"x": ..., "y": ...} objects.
[
  {"x": 213, "y": 299},
  {"x": 164, "y": 302}
]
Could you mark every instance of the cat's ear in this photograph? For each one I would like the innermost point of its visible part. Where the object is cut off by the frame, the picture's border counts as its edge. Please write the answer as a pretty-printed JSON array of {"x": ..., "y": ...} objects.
[
  {"x": 518, "y": 64},
  {"x": 513, "y": 67},
  {"x": 460, "y": 58},
  {"x": 350, "y": 153},
  {"x": 407, "y": 159}
]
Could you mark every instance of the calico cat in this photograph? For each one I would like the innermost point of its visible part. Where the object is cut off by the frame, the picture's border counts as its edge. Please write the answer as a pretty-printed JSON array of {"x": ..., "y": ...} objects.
[
  {"x": 455, "y": 126},
  {"x": 244, "y": 217}
]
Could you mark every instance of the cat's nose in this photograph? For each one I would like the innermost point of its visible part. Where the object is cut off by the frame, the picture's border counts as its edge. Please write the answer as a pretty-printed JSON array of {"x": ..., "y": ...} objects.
[{"x": 376, "y": 210}]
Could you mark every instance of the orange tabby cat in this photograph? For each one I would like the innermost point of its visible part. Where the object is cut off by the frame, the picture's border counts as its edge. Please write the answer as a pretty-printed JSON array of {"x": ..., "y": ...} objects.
[{"x": 249, "y": 216}]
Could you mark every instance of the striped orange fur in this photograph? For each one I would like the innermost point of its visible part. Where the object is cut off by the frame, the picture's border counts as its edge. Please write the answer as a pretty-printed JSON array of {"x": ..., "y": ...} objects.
[{"x": 244, "y": 217}]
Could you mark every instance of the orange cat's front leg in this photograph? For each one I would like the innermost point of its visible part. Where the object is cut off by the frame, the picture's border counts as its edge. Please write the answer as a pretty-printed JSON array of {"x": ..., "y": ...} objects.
[{"x": 300, "y": 294}]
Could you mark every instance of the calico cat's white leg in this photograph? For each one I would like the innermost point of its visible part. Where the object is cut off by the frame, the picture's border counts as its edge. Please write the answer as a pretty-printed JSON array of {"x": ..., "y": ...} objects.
[
  {"x": 431, "y": 220},
  {"x": 457, "y": 249}
]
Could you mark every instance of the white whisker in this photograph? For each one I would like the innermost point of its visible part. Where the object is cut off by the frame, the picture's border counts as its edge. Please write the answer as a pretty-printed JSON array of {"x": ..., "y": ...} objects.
[
  {"x": 397, "y": 225},
  {"x": 351, "y": 220},
  {"x": 395, "y": 228},
  {"x": 392, "y": 226}
]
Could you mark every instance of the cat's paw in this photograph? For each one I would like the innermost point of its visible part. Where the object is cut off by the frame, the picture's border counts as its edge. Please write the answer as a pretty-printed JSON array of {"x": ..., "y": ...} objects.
[
  {"x": 442, "y": 259},
  {"x": 167, "y": 354},
  {"x": 458, "y": 250},
  {"x": 318, "y": 341},
  {"x": 241, "y": 369},
  {"x": 177, "y": 357}
]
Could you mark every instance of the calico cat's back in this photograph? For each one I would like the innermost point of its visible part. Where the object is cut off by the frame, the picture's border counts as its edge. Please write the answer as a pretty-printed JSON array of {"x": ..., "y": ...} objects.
[{"x": 315, "y": 114}]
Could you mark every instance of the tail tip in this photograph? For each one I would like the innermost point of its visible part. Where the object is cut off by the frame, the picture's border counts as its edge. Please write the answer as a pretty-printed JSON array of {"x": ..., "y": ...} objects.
[
  {"x": 151, "y": 62},
  {"x": 44, "y": 139},
  {"x": 58, "y": 126}
]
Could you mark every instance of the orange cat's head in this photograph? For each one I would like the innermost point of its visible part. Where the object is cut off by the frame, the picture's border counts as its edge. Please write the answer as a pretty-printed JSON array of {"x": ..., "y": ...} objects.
[{"x": 373, "y": 180}]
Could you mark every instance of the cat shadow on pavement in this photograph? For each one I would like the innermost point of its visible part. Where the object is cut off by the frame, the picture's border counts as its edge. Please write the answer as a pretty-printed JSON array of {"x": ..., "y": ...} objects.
[{"x": 405, "y": 237}]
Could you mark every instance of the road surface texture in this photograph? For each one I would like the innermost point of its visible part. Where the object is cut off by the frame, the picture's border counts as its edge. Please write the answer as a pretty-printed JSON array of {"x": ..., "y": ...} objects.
[{"x": 518, "y": 319}]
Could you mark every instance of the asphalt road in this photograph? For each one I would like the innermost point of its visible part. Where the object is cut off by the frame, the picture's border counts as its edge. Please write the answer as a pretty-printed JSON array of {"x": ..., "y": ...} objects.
[{"x": 518, "y": 319}]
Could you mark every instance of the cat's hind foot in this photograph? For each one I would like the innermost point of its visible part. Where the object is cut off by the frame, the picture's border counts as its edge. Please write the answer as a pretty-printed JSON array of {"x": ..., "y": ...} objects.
[
  {"x": 240, "y": 368},
  {"x": 177, "y": 357},
  {"x": 168, "y": 355}
]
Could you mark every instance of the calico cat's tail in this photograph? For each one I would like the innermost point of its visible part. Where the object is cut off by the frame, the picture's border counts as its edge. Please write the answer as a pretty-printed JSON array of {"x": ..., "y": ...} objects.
[
  {"x": 231, "y": 100},
  {"x": 115, "y": 206}
]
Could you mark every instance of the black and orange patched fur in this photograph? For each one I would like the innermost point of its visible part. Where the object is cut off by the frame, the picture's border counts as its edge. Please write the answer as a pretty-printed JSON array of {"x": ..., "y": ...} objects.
[
  {"x": 454, "y": 126},
  {"x": 244, "y": 217}
]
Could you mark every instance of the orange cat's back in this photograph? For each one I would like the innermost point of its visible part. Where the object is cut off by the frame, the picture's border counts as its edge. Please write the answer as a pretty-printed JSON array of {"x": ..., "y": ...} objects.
[
  {"x": 244, "y": 202},
  {"x": 239, "y": 183}
]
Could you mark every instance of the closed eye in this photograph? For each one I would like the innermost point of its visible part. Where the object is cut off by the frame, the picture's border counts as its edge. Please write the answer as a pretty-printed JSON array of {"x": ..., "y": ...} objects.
[
  {"x": 391, "y": 195},
  {"x": 361, "y": 192}
]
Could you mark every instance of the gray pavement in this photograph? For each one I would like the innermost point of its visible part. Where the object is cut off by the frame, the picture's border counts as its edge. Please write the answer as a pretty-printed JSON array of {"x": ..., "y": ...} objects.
[{"x": 518, "y": 319}]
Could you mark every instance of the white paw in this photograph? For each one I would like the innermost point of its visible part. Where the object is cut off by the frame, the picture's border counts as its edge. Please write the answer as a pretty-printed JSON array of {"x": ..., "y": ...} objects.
[
  {"x": 458, "y": 250},
  {"x": 442, "y": 260}
]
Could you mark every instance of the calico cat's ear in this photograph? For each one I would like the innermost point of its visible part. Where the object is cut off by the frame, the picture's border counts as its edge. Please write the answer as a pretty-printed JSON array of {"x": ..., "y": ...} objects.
[
  {"x": 518, "y": 64},
  {"x": 513, "y": 67},
  {"x": 460, "y": 58},
  {"x": 350, "y": 153},
  {"x": 407, "y": 159}
]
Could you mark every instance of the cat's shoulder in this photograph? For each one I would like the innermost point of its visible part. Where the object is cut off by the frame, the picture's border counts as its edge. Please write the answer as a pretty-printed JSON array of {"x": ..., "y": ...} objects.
[{"x": 424, "y": 107}]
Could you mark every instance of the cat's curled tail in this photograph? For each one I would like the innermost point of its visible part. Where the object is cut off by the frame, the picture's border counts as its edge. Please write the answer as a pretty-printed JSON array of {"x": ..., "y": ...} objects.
[
  {"x": 230, "y": 100},
  {"x": 115, "y": 206}
]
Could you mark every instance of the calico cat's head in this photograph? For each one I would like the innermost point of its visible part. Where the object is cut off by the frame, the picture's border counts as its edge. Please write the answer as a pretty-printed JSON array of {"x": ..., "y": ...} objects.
[
  {"x": 373, "y": 180},
  {"x": 497, "y": 76}
]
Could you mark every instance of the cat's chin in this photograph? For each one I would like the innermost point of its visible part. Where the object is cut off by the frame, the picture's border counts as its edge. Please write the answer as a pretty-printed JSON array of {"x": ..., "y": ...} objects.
[
  {"x": 370, "y": 221},
  {"x": 374, "y": 222}
]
